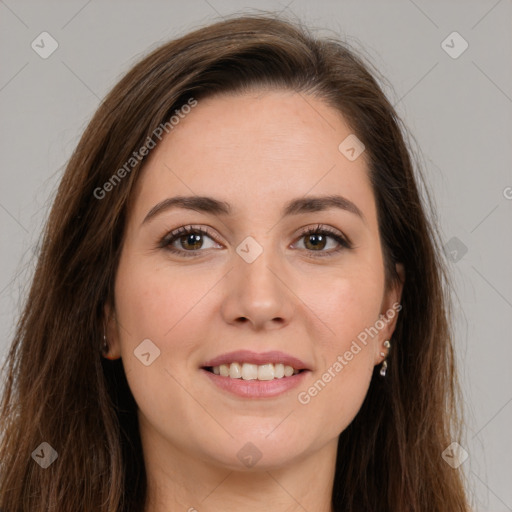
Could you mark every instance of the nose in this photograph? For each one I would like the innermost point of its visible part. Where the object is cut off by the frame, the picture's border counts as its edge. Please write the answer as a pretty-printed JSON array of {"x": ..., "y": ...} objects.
[{"x": 257, "y": 293}]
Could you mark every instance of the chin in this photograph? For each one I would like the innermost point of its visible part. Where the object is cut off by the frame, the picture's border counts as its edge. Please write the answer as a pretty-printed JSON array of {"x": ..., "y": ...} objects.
[
  {"x": 256, "y": 457},
  {"x": 257, "y": 450}
]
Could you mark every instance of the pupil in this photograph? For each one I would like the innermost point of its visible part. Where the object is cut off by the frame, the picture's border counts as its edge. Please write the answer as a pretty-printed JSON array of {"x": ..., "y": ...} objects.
[
  {"x": 318, "y": 239},
  {"x": 193, "y": 239}
]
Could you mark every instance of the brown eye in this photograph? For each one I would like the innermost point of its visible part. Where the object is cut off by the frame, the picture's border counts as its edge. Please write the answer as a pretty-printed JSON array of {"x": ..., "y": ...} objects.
[
  {"x": 316, "y": 239},
  {"x": 194, "y": 240},
  {"x": 189, "y": 239}
]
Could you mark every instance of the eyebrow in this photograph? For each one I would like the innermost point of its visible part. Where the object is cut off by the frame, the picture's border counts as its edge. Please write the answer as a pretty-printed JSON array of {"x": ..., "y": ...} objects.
[{"x": 204, "y": 204}]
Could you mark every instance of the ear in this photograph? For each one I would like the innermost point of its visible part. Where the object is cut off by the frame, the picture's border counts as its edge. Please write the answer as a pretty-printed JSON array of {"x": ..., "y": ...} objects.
[
  {"x": 111, "y": 333},
  {"x": 390, "y": 309}
]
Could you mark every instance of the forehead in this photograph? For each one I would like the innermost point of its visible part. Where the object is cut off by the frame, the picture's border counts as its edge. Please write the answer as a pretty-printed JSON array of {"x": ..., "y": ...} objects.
[{"x": 253, "y": 150}]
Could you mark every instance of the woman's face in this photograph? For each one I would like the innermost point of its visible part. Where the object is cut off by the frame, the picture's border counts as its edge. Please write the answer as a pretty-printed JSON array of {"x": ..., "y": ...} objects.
[{"x": 255, "y": 294}]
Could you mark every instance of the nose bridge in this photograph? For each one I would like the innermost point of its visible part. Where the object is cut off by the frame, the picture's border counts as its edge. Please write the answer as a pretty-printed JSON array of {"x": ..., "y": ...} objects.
[
  {"x": 255, "y": 266},
  {"x": 257, "y": 292}
]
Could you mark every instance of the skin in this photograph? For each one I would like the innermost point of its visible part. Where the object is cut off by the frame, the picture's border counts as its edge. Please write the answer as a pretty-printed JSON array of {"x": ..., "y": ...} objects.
[{"x": 255, "y": 151}]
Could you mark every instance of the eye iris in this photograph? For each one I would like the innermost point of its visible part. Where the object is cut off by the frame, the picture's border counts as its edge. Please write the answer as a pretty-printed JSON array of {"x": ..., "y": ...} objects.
[
  {"x": 194, "y": 239},
  {"x": 319, "y": 238}
]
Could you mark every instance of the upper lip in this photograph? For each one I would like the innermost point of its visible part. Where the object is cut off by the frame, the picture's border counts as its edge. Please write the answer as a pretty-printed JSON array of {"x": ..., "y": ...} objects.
[{"x": 247, "y": 356}]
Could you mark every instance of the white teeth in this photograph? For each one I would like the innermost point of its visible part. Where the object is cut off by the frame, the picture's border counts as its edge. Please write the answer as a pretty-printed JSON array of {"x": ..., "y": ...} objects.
[
  {"x": 279, "y": 371},
  {"x": 266, "y": 372},
  {"x": 235, "y": 371},
  {"x": 288, "y": 371},
  {"x": 247, "y": 371}
]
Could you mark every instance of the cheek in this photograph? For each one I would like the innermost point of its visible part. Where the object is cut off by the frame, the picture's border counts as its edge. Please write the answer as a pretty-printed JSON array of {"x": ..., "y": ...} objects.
[
  {"x": 345, "y": 303},
  {"x": 169, "y": 307},
  {"x": 156, "y": 302},
  {"x": 346, "y": 356},
  {"x": 148, "y": 306}
]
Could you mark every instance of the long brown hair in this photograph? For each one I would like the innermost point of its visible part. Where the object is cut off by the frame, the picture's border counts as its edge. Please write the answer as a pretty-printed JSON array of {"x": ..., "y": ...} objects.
[{"x": 58, "y": 388}]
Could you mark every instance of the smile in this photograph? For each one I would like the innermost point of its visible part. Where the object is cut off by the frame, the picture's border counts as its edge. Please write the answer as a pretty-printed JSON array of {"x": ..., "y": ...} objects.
[
  {"x": 248, "y": 371},
  {"x": 250, "y": 374}
]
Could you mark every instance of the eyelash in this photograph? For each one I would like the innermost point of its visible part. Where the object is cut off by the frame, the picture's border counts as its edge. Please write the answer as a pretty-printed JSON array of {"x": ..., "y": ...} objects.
[{"x": 168, "y": 239}]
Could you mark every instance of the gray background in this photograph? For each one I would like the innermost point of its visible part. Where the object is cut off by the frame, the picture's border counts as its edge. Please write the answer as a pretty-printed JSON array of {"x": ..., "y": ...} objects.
[{"x": 459, "y": 111}]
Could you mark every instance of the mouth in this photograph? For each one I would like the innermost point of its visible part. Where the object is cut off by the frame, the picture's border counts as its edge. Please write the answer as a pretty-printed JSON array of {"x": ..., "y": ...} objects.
[
  {"x": 255, "y": 375},
  {"x": 248, "y": 371},
  {"x": 248, "y": 365}
]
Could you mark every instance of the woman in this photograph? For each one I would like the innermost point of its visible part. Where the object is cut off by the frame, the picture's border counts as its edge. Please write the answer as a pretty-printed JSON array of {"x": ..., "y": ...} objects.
[{"x": 239, "y": 298}]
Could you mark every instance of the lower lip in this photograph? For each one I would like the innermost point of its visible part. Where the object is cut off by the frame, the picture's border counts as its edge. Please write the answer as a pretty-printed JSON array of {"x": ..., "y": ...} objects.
[{"x": 256, "y": 388}]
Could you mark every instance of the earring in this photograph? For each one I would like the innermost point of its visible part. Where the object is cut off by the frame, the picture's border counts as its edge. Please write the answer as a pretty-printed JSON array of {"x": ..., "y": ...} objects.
[
  {"x": 384, "y": 367},
  {"x": 104, "y": 346}
]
